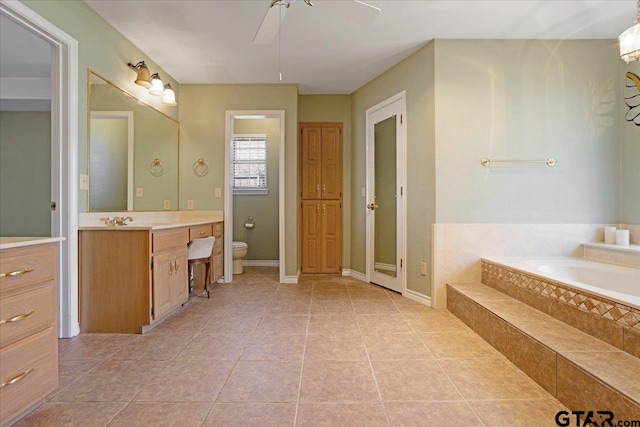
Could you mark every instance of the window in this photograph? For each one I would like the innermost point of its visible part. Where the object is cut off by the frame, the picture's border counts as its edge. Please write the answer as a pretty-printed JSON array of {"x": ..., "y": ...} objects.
[{"x": 250, "y": 164}]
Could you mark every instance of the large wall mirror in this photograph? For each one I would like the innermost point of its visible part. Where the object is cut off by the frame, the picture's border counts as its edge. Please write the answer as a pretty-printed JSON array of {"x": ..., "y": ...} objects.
[{"x": 133, "y": 152}]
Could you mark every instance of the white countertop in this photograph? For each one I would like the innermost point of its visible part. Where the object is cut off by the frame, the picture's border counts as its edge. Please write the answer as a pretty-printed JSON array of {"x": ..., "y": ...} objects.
[
  {"x": 149, "y": 220},
  {"x": 147, "y": 226},
  {"x": 16, "y": 242}
]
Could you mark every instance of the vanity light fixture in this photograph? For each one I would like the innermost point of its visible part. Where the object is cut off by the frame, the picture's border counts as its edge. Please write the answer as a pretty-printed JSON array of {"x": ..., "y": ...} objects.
[
  {"x": 169, "y": 96},
  {"x": 630, "y": 41},
  {"x": 144, "y": 76},
  {"x": 157, "y": 87}
]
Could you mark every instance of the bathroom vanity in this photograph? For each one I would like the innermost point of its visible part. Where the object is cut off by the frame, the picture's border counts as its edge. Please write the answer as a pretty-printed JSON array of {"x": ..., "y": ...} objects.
[
  {"x": 28, "y": 323},
  {"x": 133, "y": 276}
]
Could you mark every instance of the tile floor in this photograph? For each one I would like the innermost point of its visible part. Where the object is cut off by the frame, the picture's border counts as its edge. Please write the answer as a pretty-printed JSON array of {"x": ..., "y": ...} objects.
[{"x": 329, "y": 351}]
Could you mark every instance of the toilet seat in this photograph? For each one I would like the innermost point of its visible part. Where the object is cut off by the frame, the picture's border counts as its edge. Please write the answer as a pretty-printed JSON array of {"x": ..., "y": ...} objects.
[{"x": 238, "y": 245}]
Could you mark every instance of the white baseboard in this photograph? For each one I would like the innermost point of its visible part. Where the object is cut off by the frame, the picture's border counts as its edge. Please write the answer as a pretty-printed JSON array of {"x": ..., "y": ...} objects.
[
  {"x": 260, "y": 263},
  {"x": 383, "y": 266},
  {"x": 417, "y": 297},
  {"x": 291, "y": 279},
  {"x": 355, "y": 275}
]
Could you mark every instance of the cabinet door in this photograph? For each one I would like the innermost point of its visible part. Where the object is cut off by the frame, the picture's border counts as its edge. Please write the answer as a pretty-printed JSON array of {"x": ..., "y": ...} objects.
[
  {"x": 180, "y": 278},
  {"x": 331, "y": 250},
  {"x": 310, "y": 159},
  {"x": 311, "y": 236},
  {"x": 162, "y": 276},
  {"x": 331, "y": 163},
  {"x": 216, "y": 268}
]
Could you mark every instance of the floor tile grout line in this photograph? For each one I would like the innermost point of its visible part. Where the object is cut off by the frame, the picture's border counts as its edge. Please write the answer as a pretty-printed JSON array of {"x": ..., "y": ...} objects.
[{"x": 304, "y": 353}]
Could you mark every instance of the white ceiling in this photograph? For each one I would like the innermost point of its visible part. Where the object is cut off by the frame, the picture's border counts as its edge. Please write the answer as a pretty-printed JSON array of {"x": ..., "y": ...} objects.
[{"x": 210, "y": 41}]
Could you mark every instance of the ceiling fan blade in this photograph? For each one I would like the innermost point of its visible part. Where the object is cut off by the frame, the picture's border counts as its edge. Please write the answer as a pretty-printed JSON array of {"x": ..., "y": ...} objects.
[
  {"x": 354, "y": 10},
  {"x": 270, "y": 25}
]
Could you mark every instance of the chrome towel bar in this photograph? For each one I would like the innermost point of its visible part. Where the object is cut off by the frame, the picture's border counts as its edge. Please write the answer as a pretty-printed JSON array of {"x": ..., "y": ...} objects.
[{"x": 550, "y": 161}]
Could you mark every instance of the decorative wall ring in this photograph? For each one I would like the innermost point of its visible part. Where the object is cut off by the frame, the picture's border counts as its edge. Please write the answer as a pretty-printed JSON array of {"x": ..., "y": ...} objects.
[
  {"x": 156, "y": 168},
  {"x": 200, "y": 168}
]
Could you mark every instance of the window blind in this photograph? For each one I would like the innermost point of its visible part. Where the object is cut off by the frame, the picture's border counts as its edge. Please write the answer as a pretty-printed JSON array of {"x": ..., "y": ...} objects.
[{"x": 249, "y": 161}]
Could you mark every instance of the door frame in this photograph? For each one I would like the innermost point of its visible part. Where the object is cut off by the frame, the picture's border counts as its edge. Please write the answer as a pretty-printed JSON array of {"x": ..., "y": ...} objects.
[
  {"x": 230, "y": 115},
  {"x": 401, "y": 176},
  {"x": 64, "y": 155}
]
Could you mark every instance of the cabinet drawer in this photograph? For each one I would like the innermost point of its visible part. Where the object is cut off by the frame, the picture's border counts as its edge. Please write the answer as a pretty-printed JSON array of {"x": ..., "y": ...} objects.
[
  {"x": 217, "y": 229},
  {"x": 198, "y": 231},
  {"x": 169, "y": 239},
  {"x": 26, "y": 266},
  {"x": 26, "y": 312},
  {"x": 35, "y": 355}
]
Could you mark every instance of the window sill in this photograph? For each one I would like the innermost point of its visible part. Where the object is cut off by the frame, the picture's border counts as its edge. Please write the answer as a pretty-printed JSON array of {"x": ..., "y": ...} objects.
[{"x": 250, "y": 191}]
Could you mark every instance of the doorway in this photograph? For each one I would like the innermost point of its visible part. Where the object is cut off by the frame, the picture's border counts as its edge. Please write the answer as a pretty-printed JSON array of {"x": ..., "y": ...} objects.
[
  {"x": 64, "y": 156},
  {"x": 241, "y": 124},
  {"x": 386, "y": 192}
]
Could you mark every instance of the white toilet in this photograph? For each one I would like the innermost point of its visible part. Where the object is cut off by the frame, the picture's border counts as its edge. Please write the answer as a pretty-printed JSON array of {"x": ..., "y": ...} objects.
[{"x": 239, "y": 252}]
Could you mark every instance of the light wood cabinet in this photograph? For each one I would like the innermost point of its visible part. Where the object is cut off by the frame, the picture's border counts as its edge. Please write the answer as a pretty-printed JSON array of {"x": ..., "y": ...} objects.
[
  {"x": 320, "y": 174},
  {"x": 131, "y": 279},
  {"x": 28, "y": 331},
  {"x": 217, "y": 258}
]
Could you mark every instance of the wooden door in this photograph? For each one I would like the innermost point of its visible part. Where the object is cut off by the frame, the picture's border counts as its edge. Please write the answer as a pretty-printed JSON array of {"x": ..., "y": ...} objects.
[
  {"x": 331, "y": 236},
  {"x": 311, "y": 236},
  {"x": 310, "y": 160},
  {"x": 180, "y": 278},
  {"x": 162, "y": 275},
  {"x": 331, "y": 164}
]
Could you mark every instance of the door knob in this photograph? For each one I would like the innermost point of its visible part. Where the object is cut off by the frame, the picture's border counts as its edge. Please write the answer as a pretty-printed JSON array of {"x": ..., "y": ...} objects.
[{"x": 372, "y": 206}]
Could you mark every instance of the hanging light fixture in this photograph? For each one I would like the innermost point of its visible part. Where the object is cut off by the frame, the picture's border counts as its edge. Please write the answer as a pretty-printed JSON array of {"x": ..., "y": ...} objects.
[
  {"x": 169, "y": 96},
  {"x": 157, "y": 87},
  {"x": 630, "y": 41},
  {"x": 144, "y": 76}
]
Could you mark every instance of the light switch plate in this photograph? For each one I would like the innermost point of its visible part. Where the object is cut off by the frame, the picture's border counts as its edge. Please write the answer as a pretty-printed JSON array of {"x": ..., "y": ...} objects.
[
  {"x": 190, "y": 205},
  {"x": 139, "y": 192},
  {"x": 218, "y": 192},
  {"x": 167, "y": 204},
  {"x": 84, "y": 182},
  {"x": 423, "y": 268}
]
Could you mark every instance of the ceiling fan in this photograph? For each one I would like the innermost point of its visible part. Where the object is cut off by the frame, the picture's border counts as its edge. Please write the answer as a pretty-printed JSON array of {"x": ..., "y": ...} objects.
[{"x": 353, "y": 10}]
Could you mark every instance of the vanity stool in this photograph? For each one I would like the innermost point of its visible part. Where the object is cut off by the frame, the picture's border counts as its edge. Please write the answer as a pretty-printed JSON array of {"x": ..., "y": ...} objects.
[{"x": 199, "y": 252}]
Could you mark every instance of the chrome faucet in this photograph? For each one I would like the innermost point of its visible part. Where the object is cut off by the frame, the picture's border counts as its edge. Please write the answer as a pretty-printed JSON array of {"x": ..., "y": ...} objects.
[{"x": 117, "y": 220}]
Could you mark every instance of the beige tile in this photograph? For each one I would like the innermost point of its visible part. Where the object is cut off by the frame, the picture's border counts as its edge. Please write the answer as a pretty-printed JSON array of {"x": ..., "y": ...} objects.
[
  {"x": 283, "y": 324},
  {"x": 335, "y": 347},
  {"x": 420, "y": 380},
  {"x": 182, "y": 323},
  {"x": 333, "y": 324},
  {"x": 518, "y": 413},
  {"x": 405, "y": 305},
  {"x": 460, "y": 305},
  {"x": 490, "y": 378},
  {"x": 275, "y": 347},
  {"x": 383, "y": 306},
  {"x": 457, "y": 345},
  {"x": 490, "y": 327},
  {"x": 383, "y": 324},
  {"x": 198, "y": 382},
  {"x": 290, "y": 306},
  {"x": 154, "y": 347},
  {"x": 330, "y": 285},
  {"x": 96, "y": 347},
  {"x": 251, "y": 415},
  {"x": 262, "y": 382},
  {"x": 420, "y": 414},
  {"x": 71, "y": 370},
  {"x": 161, "y": 414},
  {"x": 598, "y": 327},
  {"x": 632, "y": 342},
  {"x": 330, "y": 294},
  {"x": 341, "y": 414},
  {"x": 331, "y": 307},
  {"x": 113, "y": 380},
  {"x": 435, "y": 321},
  {"x": 362, "y": 286},
  {"x": 233, "y": 323},
  {"x": 532, "y": 358},
  {"x": 290, "y": 288},
  {"x": 479, "y": 292},
  {"x": 71, "y": 414},
  {"x": 396, "y": 347},
  {"x": 577, "y": 389},
  {"x": 338, "y": 381},
  {"x": 365, "y": 294},
  {"x": 214, "y": 347}
]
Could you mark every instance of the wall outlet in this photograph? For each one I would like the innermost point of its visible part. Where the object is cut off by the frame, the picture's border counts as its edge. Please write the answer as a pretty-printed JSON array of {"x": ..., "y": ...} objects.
[
  {"x": 423, "y": 268},
  {"x": 218, "y": 192},
  {"x": 139, "y": 192},
  {"x": 84, "y": 182},
  {"x": 167, "y": 204},
  {"x": 190, "y": 205}
]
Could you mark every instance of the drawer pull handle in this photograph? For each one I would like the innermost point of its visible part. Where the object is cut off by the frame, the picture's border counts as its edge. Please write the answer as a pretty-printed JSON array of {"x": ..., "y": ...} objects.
[
  {"x": 202, "y": 233},
  {"x": 17, "y": 318},
  {"x": 17, "y": 272},
  {"x": 17, "y": 378}
]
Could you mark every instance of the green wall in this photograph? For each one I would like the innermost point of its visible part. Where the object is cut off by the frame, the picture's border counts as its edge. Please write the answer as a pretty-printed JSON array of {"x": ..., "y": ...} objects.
[
  {"x": 334, "y": 108},
  {"x": 25, "y": 173},
  {"x": 414, "y": 75},
  {"x": 263, "y": 208},
  {"x": 630, "y": 157},
  {"x": 103, "y": 49},
  {"x": 202, "y": 134}
]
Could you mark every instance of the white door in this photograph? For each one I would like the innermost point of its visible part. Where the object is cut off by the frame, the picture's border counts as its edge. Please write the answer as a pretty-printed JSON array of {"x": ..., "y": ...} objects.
[{"x": 386, "y": 193}]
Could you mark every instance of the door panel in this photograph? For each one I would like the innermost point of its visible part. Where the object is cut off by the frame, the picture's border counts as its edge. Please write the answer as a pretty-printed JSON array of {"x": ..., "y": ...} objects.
[
  {"x": 331, "y": 163},
  {"x": 331, "y": 236},
  {"x": 311, "y": 159},
  {"x": 311, "y": 236}
]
